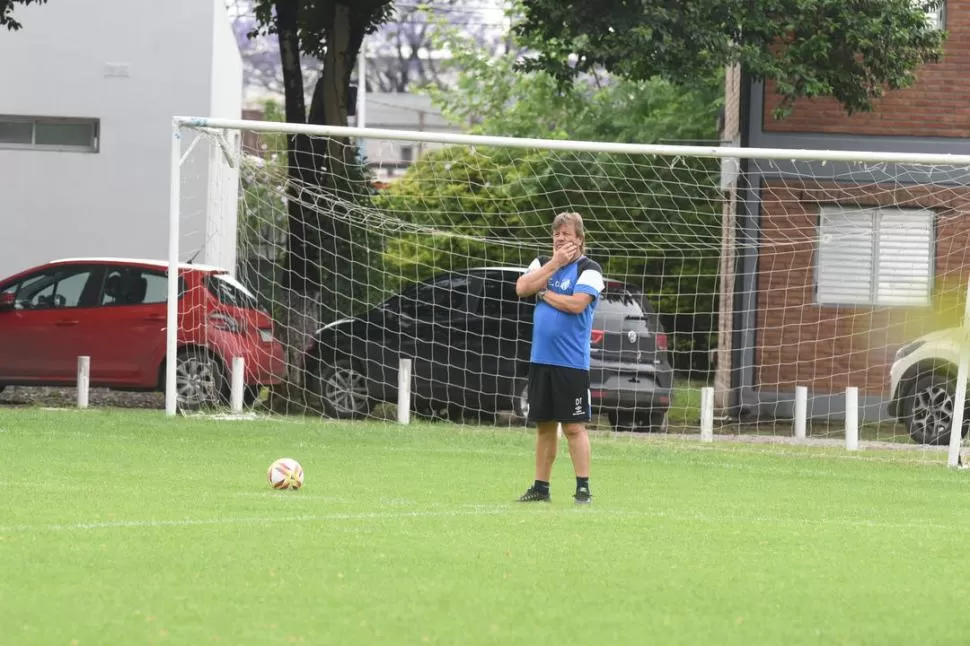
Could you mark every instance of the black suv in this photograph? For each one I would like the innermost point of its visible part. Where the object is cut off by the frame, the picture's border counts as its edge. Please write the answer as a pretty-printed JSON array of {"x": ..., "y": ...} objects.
[{"x": 469, "y": 338}]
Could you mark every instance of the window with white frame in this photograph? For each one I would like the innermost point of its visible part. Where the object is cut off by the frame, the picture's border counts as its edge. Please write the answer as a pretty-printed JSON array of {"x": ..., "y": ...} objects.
[
  {"x": 874, "y": 256},
  {"x": 936, "y": 16},
  {"x": 49, "y": 133}
]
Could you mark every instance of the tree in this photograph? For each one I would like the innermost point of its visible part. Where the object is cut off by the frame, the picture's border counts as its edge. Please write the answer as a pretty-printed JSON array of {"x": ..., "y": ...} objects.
[
  {"x": 325, "y": 177},
  {"x": 262, "y": 212},
  {"x": 399, "y": 51},
  {"x": 649, "y": 219},
  {"x": 499, "y": 99},
  {"x": 260, "y": 52},
  {"x": 403, "y": 51},
  {"x": 6, "y": 12},
  {"x": 851, "y": 51}
]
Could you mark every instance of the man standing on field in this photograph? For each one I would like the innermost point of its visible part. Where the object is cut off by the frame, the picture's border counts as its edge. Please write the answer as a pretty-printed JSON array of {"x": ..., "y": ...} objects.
[{"x": 567, "y": 287}]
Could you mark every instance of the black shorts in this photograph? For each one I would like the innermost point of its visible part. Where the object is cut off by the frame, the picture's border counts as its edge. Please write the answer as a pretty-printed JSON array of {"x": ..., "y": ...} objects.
[{"x": 558, "y": 394}]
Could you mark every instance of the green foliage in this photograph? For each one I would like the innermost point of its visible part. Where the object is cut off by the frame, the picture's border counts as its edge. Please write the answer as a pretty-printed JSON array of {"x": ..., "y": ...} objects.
[
  {"x": 262, "y": 211},
  {"x": 462, "y": 203},
  {"x": 273, "y": 142},
  {"x": 264, "y": 223},
  {"x": 327, "y": 259},
  {"x": 652, "y": 221},
  {"x": 852, "y": 51},
  {"x": 496, "y": 97},
  {"x": 6, "y": 12}
]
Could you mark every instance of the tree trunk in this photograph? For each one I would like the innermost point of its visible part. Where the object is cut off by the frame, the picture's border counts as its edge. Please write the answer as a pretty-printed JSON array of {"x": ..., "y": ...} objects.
[
  {"x": 335, "y": 171},
  {"x": 299, "y": 290},
  {"x": 318, "y": 273}
]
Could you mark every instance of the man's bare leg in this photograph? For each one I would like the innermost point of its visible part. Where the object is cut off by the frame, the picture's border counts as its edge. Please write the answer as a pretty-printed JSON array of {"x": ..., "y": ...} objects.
[
  {"x": 579, "y": 449},
  {"x": 547, "y": 444}
]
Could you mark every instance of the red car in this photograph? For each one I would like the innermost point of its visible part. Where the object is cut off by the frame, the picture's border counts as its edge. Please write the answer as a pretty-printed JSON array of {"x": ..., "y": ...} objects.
[{"x": 113, "y": 310}]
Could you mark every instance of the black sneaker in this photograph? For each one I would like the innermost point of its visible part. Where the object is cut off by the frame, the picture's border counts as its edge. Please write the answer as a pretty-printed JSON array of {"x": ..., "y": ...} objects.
[
  {"x": 534, "y": 495},
  {"x": 583, "y": 496}
]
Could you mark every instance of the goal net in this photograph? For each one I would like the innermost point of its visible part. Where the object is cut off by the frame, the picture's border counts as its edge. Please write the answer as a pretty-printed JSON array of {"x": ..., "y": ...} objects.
[{"x": 747, "y": 293}]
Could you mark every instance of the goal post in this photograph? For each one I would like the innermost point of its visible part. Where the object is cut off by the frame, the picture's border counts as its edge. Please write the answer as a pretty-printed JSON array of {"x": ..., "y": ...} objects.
[
  {"x": 829, "y": 263},
  {"x": 171, "y": 302}
]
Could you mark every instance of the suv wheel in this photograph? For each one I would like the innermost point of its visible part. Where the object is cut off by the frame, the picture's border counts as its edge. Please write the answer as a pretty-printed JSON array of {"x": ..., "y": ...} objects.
[
  {"x": 199, "y": 379},
  {"x": 930, "y": 414},
  {"x": 343, "y": 390}
]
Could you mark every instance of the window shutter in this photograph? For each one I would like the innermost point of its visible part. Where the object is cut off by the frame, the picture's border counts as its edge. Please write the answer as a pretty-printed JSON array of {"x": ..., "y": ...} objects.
[
  {"x": 844, "y": 268},
  {"x": 934, "y": 17},
  {"x": 905, "y": 257}
]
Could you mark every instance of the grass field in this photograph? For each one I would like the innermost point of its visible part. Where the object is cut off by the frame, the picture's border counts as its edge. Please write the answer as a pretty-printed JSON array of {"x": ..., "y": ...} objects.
[{"x": 123, "y": 527}]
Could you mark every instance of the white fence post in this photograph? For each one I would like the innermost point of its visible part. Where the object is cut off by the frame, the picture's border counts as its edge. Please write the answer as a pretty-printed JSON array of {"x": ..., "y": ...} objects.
[
  {"x": 852, "y": 418},
  {"x": 801, "y": 411},
  {"x": 959, "y": 403},
  {"x": 83, "y": 381},
  {"x": 236, "y": 392},
  {"x": 707, "y": 414},
  {"x": 404, "y": 392}
]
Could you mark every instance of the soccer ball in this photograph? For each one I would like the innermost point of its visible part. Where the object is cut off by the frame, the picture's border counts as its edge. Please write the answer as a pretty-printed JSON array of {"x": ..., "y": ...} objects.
[{"x": 285, "y": 473}]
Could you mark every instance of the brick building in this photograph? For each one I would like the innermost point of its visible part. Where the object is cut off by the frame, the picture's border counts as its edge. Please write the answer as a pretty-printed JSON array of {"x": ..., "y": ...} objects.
[{"x": 847, "y": 261}]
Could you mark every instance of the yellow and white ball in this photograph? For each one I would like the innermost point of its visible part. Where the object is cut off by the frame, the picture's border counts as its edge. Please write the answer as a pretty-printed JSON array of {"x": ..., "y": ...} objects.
[{"x": 285, "y": 473}]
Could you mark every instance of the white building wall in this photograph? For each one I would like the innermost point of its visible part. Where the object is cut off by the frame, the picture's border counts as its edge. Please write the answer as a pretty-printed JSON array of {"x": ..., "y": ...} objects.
[
  {"x": 114, "y": 201},
  {"x": 223, "y": 178}
]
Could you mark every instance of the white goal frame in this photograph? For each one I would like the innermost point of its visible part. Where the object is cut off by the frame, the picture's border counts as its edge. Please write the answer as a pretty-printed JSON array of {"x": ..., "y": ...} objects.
[{"x": 730, "y": 156}]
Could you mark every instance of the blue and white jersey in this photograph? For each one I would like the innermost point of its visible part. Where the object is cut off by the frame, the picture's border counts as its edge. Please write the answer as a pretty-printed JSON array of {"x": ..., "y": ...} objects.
[{"x": 561, "y": 338}]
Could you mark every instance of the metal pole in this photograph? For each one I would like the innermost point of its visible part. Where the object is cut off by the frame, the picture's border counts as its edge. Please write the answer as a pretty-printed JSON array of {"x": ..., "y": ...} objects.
[
  {"x": 960, "y": 396},
  {"x": 171, "y": 314},
  {"x": 362, "y": 85}
]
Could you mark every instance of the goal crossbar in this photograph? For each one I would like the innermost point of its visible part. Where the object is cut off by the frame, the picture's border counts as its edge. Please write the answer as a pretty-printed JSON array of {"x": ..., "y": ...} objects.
[{"x": 668, "y": 150}]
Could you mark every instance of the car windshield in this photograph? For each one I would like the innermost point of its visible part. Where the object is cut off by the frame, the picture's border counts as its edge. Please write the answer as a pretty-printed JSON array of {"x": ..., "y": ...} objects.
[
  {"x": 618, "y": 305},
  {"x": 230, "y": 291}
]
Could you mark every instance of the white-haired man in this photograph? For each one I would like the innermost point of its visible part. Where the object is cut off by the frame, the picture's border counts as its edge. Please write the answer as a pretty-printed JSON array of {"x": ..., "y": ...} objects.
[{"x": 567, "y": 286}]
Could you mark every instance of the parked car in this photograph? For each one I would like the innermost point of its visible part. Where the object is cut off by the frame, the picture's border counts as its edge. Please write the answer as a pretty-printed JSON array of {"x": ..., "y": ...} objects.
[
  {"x": 923, "y": 386},
  {"x": 114, "y": 311},
  {"x": 469, "y": 338}
]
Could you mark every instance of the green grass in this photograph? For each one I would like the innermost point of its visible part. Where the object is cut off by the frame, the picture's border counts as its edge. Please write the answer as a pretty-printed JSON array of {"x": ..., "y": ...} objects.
[
  {"x": 120, "y": 527},
  {"x": 685, "y": 405}
]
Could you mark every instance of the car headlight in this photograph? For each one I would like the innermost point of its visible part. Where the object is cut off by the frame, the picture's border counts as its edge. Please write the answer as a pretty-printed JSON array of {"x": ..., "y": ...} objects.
[{"x": 909, "y": 348}]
